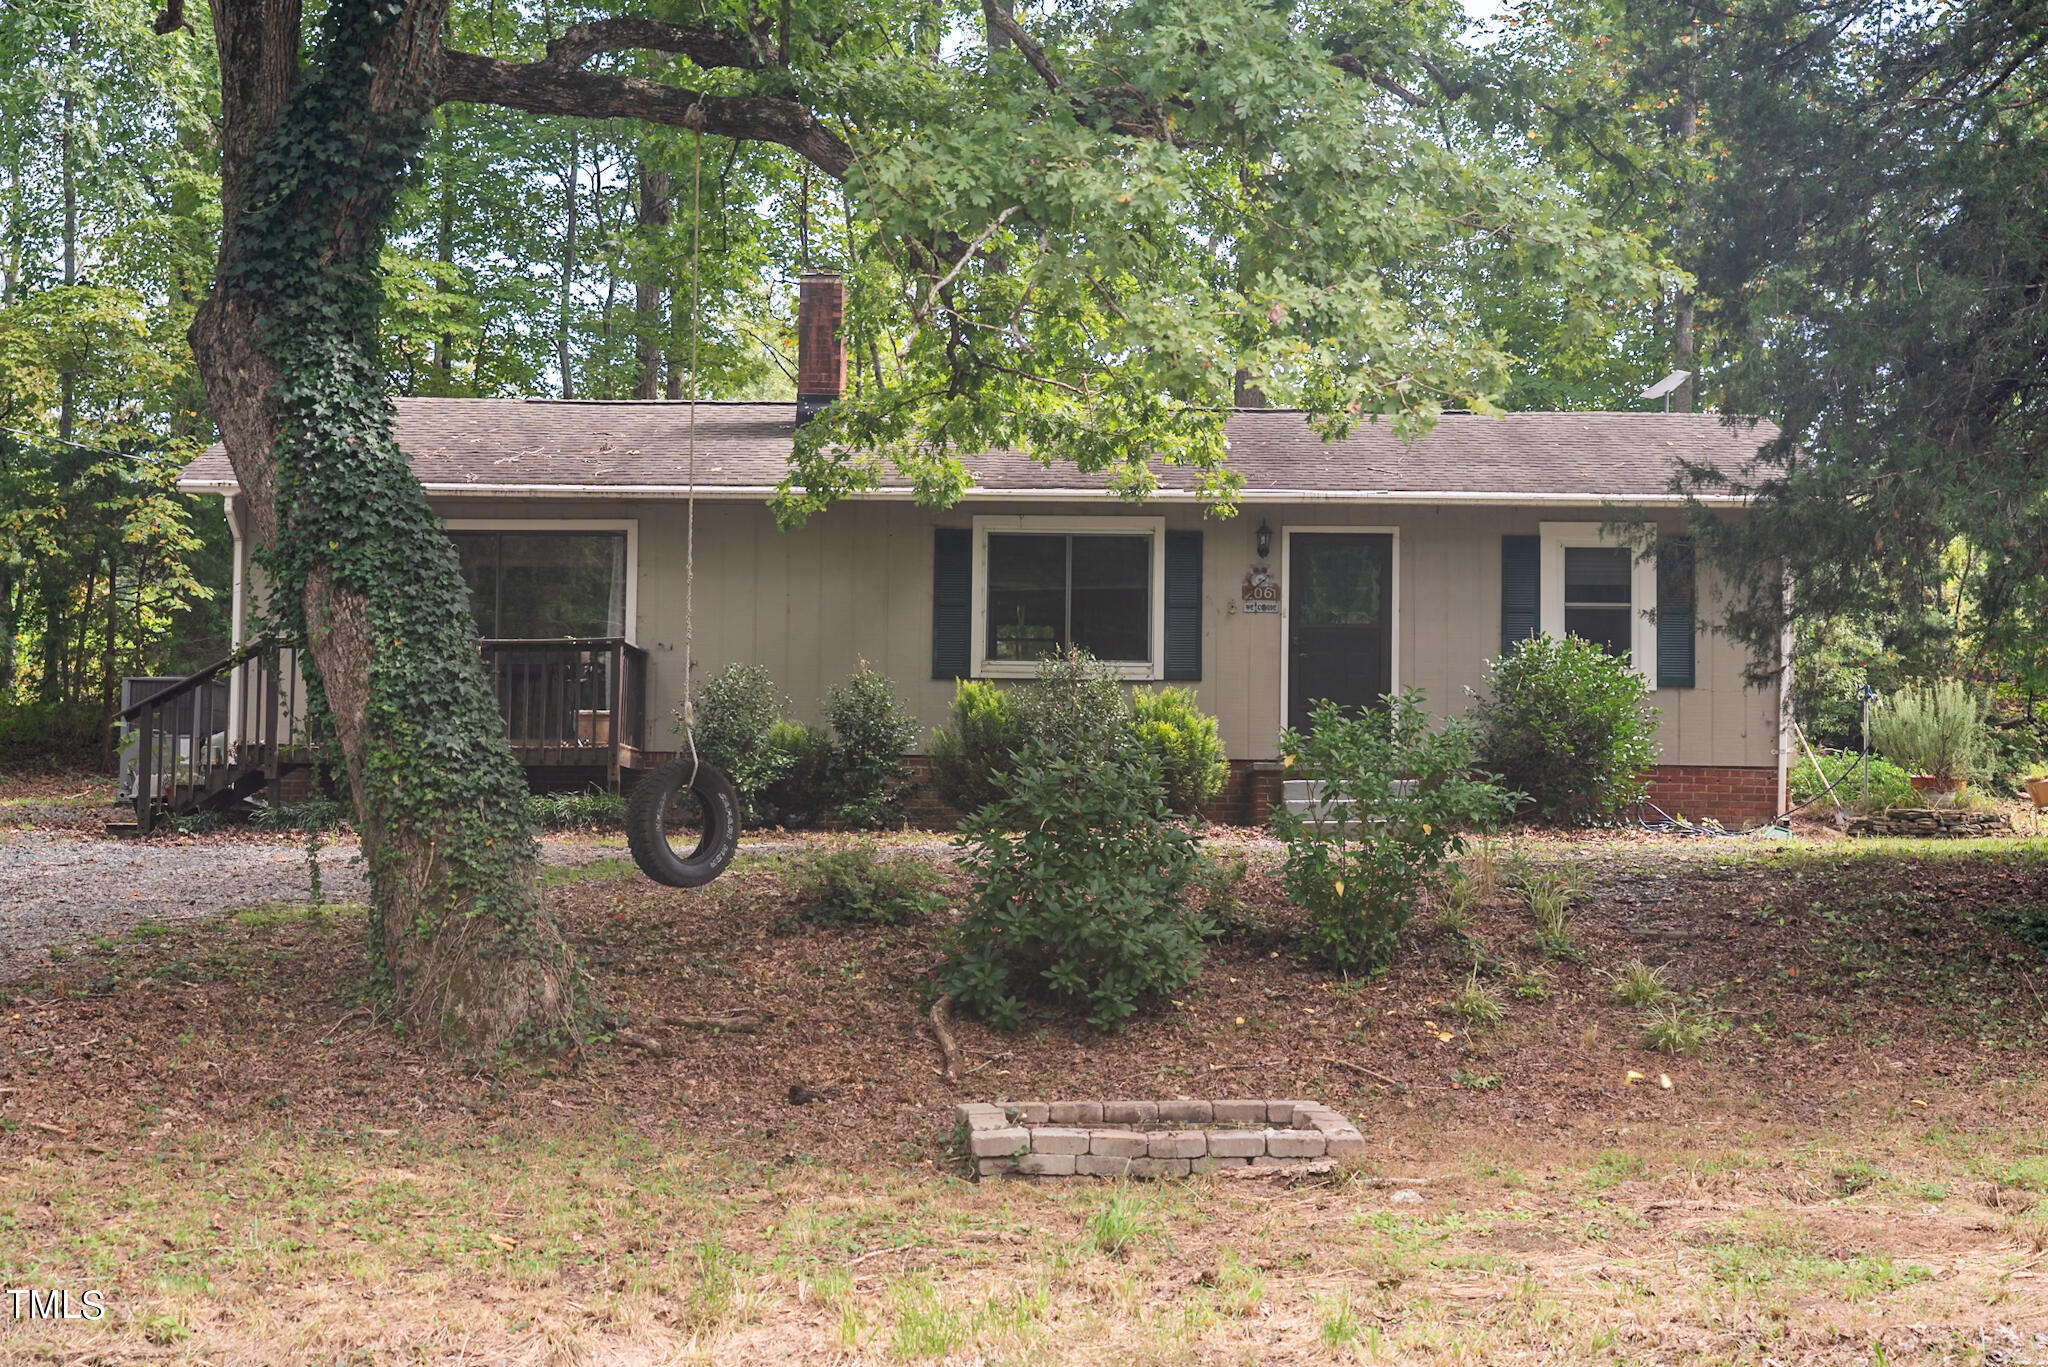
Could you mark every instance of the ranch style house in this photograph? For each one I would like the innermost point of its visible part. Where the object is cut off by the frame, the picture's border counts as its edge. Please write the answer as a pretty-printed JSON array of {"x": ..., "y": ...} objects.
[{"x": 1351, "y": 569}]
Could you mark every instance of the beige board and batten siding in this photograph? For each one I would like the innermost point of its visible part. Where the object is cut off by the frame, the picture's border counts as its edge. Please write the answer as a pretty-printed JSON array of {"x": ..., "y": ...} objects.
[{"x": 856, "y": 584}]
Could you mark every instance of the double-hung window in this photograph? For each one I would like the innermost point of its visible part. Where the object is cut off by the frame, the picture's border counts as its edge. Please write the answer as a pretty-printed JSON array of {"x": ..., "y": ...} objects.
[
  {"x": 1043, "y": 585},
  {"x": 1595, "y": 586}
]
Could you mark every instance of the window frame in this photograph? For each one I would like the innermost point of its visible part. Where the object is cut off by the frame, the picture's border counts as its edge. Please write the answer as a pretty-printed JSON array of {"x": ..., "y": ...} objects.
[
  {"x": 1557, "y": 537},
  {"x": 1132, "y": 670},
  {"x": 628, "y": 525}
]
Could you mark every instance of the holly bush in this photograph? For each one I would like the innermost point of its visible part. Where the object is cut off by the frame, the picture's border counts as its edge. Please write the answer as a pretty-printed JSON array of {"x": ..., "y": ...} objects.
[
  {"x": 1570, "y": 726},
  {"x": 871, "y": 731},
  {"x": 1359, "y": 869},
  {"x": 1080, "y": 888},
  {"x": 737, "y": 708}
]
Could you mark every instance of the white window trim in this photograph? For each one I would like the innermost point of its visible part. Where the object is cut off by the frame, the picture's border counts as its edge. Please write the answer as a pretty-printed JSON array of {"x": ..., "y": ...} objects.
[
  {"x": 630, "y": 526},
  {"x": 1287, "y": 535},
  {"x": 1642, "y": 585},
  {"x": 1154, "y": 527}
]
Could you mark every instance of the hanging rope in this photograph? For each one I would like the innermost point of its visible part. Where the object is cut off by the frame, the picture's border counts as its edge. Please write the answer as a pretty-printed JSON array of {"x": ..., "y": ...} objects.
[
  {"x": 690, "y": 522},
  {"x": 648, "y": 828}
]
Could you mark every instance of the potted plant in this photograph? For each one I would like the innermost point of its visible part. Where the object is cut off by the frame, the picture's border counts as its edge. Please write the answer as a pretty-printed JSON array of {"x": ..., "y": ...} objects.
[{"x": 1934, "y": 734}]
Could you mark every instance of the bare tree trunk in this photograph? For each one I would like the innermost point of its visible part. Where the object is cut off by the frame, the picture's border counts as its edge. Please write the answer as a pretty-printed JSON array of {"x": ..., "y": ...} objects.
[
  {"x": 1684, "y": 330},
  {"x": 568, "y": 264},
  {"x": 444, "y": 246},
  {"x": 464, "y": 942},
  {"x": 653, "y": 217},
  {"x": 67, "y": 380}
]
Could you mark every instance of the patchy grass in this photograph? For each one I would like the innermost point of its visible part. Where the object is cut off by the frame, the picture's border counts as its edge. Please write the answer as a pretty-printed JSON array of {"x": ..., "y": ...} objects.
[
  {"x": 201, "y": 1120},
  {"x": 371, "y": 1246}
]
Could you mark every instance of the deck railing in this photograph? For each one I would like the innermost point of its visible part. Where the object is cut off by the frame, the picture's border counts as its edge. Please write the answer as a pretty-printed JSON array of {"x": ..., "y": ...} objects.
[
  {"x": 214, "y": 728},
  {"x": 572, "y": 701},
  {"x": 565, "y": 702}
]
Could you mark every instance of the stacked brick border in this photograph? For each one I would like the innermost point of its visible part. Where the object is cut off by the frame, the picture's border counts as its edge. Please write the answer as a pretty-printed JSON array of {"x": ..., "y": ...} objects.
[{"x": 1147, "y": 1138}]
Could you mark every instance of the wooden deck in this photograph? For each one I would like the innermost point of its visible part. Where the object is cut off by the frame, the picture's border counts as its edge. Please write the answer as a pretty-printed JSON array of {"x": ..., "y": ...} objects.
[{"x": 231, "y": 733}]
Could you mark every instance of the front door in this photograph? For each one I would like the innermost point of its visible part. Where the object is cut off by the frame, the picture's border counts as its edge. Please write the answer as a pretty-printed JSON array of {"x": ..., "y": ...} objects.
[{"x": 1340, "y": 621}]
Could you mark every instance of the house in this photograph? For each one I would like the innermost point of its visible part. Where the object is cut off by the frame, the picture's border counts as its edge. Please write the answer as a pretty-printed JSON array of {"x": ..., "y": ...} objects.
[{"x": 1351, "y": 569}]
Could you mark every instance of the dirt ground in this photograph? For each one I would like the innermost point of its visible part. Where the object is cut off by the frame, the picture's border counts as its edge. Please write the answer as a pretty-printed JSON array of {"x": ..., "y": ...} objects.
[{"x": 205, "y": 1121}]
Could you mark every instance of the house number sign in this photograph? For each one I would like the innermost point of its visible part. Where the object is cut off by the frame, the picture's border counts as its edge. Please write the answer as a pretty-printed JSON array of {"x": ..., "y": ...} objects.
[{"x": 1261, "y": 593}]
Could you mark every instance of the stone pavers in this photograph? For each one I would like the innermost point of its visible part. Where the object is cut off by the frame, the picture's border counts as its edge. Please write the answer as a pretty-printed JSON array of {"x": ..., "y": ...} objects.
[{"x": 1148, "y": 1139}]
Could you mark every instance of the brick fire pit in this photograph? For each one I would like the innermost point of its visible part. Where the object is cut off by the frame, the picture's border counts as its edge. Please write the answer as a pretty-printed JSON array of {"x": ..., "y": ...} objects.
[{"x": 1147, "y": 1138}]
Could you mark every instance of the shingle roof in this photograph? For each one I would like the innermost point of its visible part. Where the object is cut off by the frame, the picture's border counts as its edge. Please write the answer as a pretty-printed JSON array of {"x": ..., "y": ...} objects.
[{"x": 555, "y": 448}]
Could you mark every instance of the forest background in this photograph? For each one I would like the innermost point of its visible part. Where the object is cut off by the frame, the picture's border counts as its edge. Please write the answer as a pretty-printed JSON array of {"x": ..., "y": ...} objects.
[{"x": 1816, "y": 191}]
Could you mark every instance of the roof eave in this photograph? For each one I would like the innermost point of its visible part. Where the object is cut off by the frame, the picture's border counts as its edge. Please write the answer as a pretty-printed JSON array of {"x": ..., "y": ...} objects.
[{"x": 727, "y": 493}]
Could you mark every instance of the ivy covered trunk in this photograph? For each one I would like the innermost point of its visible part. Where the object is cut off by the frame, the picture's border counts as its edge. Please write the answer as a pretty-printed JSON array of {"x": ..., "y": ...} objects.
[{"x": 360, "y": 570}]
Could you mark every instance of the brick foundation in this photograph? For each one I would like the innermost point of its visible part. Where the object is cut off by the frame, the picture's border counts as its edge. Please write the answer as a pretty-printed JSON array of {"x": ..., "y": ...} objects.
[{"x": 1737, "y": 797}]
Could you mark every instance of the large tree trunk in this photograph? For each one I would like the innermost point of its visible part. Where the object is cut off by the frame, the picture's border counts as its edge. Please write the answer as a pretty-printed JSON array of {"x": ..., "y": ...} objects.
[
  {"x": 652, "y": 218},
  {"x": 286, "y": 344}
]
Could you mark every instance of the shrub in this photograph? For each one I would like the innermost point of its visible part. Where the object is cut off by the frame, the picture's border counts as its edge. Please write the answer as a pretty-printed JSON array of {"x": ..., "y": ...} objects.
[
  {"x": 736, "y": 708},
  {"x": 974, "y": 746},
  {"x": 316, "y": 815},
  {"x": 1937, "y": 731},
  {"x": 1080, "y": 882},
  {"x": 1074, "y": 697},
  {"x": 1185, "y": 741},
  {"x": 1075, "y": 704},
  {"x": 860, "y": 884},
  {"x": 804, "y": 791},
  {"x": 57, "y": 735},
  {"x": 595, "y": 809},
  {"x": 1890, "y": 786},
  {"x": 871, "y": 730},
  {"x": 1360, "y": 875},
  {"x": 1570, "y": 726}
]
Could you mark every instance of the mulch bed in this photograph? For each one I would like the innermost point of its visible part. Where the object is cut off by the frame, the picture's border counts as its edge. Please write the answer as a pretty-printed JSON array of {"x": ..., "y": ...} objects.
[{"x": 1844, "y": 988}]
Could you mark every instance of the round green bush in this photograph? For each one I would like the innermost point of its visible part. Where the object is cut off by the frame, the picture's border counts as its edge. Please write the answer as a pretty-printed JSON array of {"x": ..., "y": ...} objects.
[
  {"x": 974, "y": 746},
  {"x": 871, "y": 730},
  {"x": 1570, "y": 727},
  {"x": 1890, "y": 786},
  {"x": 1081, "y": 879},
  {"x": 737, "y": 709},
  {"x": 1185, "y": 742},
  {"x": 1074, "y": 703}
]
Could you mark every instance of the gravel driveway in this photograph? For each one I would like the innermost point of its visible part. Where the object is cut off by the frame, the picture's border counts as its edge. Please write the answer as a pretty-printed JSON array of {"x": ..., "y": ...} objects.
[
  {"x": 63, "y": 888},
  {"x": 58, "y": 889}
]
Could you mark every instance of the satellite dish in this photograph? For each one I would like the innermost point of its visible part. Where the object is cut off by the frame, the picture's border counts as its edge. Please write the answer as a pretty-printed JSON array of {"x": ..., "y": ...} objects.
[{"x": 1668, "y": 384}]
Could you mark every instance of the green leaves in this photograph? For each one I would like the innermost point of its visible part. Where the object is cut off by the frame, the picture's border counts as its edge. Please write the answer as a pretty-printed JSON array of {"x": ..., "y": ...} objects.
[
  {"x": 1397, "y": 794},
  {"x": 1081, "y": 879},
  {"x": 1569, "y": 725}
]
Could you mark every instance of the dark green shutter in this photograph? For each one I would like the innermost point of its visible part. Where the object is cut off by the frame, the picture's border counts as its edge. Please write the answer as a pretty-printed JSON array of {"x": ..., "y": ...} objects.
[
  {"x": 1183, "y": 605},
  {"x": 1521, "y": 599},
  {"x": 1676, "y": 613},
  {"x": 952, "y": 602}
]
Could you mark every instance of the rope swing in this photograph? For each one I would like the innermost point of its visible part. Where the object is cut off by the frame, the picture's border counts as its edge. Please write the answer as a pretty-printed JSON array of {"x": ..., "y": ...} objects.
[{"x": 660, "y": 796}]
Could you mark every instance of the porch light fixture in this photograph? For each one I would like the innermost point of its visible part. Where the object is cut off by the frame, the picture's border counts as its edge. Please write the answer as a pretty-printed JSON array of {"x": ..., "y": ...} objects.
[{"x": 1265, "y": 539}]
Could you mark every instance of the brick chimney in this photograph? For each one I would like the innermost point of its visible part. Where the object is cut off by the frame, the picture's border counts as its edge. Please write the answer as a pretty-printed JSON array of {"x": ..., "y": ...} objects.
[{"x": 820, "y": 349}]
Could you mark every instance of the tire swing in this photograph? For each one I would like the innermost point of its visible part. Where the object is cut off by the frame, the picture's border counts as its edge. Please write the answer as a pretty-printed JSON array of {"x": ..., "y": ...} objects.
[{"x": 661, "y": 808}]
